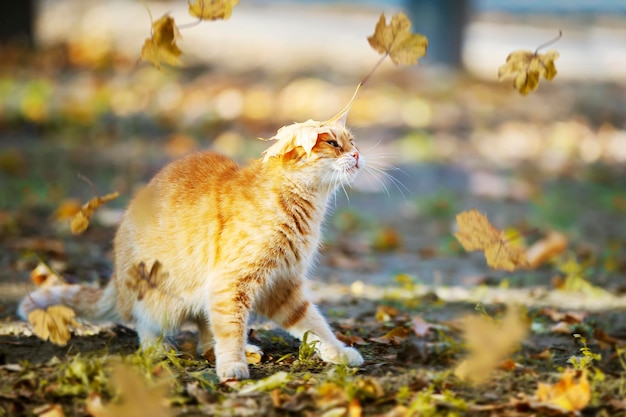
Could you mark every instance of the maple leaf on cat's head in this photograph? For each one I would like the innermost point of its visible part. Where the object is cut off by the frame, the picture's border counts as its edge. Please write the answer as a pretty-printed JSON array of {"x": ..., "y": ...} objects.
[
  {"x": 396, "y": 40},
  {"x": 161, "y": 46},
  {"x": 305, "y": 134}
]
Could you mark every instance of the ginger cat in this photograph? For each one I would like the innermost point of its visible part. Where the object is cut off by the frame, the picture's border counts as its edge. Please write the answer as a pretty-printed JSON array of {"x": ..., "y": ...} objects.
[{"x": 208, "y": 241}]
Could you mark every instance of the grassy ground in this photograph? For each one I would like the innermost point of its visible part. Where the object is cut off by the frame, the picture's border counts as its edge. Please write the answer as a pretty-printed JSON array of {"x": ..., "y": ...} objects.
[{"x": 391, "y": 278}]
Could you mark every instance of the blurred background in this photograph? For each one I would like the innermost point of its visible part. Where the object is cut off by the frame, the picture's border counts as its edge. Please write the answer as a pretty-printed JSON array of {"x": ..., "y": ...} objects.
[{"x": 74, "y": 98}]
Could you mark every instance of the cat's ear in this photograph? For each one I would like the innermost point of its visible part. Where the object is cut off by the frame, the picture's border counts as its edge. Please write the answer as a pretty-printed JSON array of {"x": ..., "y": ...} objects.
[{"x": 303, "y": 135}]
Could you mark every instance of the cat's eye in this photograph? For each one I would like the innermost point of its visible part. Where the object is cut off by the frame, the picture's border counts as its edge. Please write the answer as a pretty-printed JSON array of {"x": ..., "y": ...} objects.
[{"x": 333, "y": 143}]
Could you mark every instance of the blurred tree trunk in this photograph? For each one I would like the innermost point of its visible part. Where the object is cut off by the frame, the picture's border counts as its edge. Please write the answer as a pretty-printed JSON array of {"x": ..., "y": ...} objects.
[
  {"x": 17, "y": 22},
  {"x": 443, "y": 23}
]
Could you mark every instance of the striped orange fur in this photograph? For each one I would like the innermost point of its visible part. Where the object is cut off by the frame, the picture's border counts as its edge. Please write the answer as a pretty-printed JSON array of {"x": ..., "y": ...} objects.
[{"x": 208, "y": 241}]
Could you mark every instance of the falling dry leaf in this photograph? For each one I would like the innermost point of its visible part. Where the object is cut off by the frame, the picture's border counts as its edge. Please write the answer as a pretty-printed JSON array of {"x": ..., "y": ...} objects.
[
  {"x": 161, "y": 46},
  {"x": 571, "y": 393},
  {"x": 80, "y": 222},
  {"x": 476, "y": 233},
  {"x": 526, "y": 67},
  {"x": 212, "y": 9},
  {"x": 144, "y": 280},
  {"x": 489, "y": 342},
  {"x": 137, "y": 397},
  {"x": 546, "y": 249},
  {"x": 53, "y": 323},
  {"x": 67, "y": 209},
  {"x": 396, "y": 40}
]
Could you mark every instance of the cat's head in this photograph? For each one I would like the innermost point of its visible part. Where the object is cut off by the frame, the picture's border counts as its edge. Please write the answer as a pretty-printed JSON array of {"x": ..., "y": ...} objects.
[{"x": 324, "y": 151}]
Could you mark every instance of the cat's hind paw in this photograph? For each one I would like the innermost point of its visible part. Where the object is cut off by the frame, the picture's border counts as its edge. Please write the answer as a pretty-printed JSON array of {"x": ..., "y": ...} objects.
[
  {"x": 232, "y": 370},
  {"x": 342, "y": 356}
]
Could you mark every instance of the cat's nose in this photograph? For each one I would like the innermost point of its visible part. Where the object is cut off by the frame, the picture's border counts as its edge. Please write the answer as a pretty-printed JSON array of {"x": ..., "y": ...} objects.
[{"x": 356, "y": 158}]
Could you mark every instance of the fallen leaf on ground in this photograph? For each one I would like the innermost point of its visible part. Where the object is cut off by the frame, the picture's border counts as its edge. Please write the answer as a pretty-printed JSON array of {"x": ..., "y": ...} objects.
[
  {"x": 476, "y": 233},
  {"x": 385, "y": 313},
  {"x": 267, "y": 384},
  {"x": 571, "y": 317},
  {"x": 254, "y": 356},
  {"x": 546, "y": 249},
  {"x": 49, "y": 410},
  {"x": 420, "y": 326},
  {"x": 489, "y": 342},
  {"x": 80, "y": 222},
  {"x": 212, "y": 9},
  {"x": 396, "y": 40},
  {"x": 161, "y": 46},
  {"x": 350, "y": 340},
  {"x": 53, "y": 323},
  {"x": 604, "y": 339},
  {"x": 571, "y": 393},
  {"x": 394, "y": 336}
]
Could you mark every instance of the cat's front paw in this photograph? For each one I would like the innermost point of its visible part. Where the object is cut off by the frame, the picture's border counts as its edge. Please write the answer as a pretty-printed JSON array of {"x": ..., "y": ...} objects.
[
  {"x": 342, "y": 356},
  {"x": 232, "y": 370}
]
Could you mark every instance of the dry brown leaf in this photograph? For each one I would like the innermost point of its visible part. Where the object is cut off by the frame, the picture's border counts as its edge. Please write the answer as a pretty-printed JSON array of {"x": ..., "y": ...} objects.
[
  {"x": 161, "y": 46},
  {"x": 53, "y": 323},
  {"x": 546, "y": 249},
  {"x": 254, "y": 356},
  {"x": 526, "y": 67},
  {"x": 394, "y": 336},
  {"x": 80, "y": 222},
  {"x": 67, "y": 209},
  {"x": 386, "y": 313},
  {"x": 396, "y": 40},
  {"x": 144, "y": 280},
  {"x": 571, "y": 317},
  {"x": 49, "y": 410},
  {"x": 350, "y": 340},
  {"x": 476, "y": 233},
  {"x": 489, "y": 343},
  {"x": 571, "y": 393},
  {"x": 420, "y": 326},
  {"x": 212, "y": 9}
]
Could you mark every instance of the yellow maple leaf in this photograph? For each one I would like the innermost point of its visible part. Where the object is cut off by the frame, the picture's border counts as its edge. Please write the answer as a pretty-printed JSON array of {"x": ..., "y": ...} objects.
[
  {"x": 212, "y": 9},
  {"x": 397, "y": 41},
  {"x": 567, "y": 394},
  {"x": 476, "y": 233},
  {"x": 489, "y": 342},
  {"x": 527, "y": 66},
  {"x": 80, "y": 222},
  {"x": 161, "y": 46},
  {"x": 53, "y": 323},
  {"x": 136, "y": 397}
]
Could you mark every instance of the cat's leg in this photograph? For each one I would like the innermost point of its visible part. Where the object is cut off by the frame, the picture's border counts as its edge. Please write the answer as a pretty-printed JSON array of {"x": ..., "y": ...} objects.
[
  {"x": 229, "y": 312},
  {"x": 205, "y": 335},
  {"x": 298, "y": 315}
]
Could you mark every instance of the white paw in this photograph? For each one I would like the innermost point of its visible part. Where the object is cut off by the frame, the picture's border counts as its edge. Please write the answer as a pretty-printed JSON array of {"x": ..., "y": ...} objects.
[
  {"x": 232, "y": 370},
  {"x": 342, "y": 356}
]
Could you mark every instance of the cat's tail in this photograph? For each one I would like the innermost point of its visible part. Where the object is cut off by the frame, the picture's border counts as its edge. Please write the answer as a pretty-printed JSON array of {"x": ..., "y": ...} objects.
[{"x": 93, "y": 304}]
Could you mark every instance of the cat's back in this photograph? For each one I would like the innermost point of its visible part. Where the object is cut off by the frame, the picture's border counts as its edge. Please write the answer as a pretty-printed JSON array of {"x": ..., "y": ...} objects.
[{"x": 196, "y": 171}]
